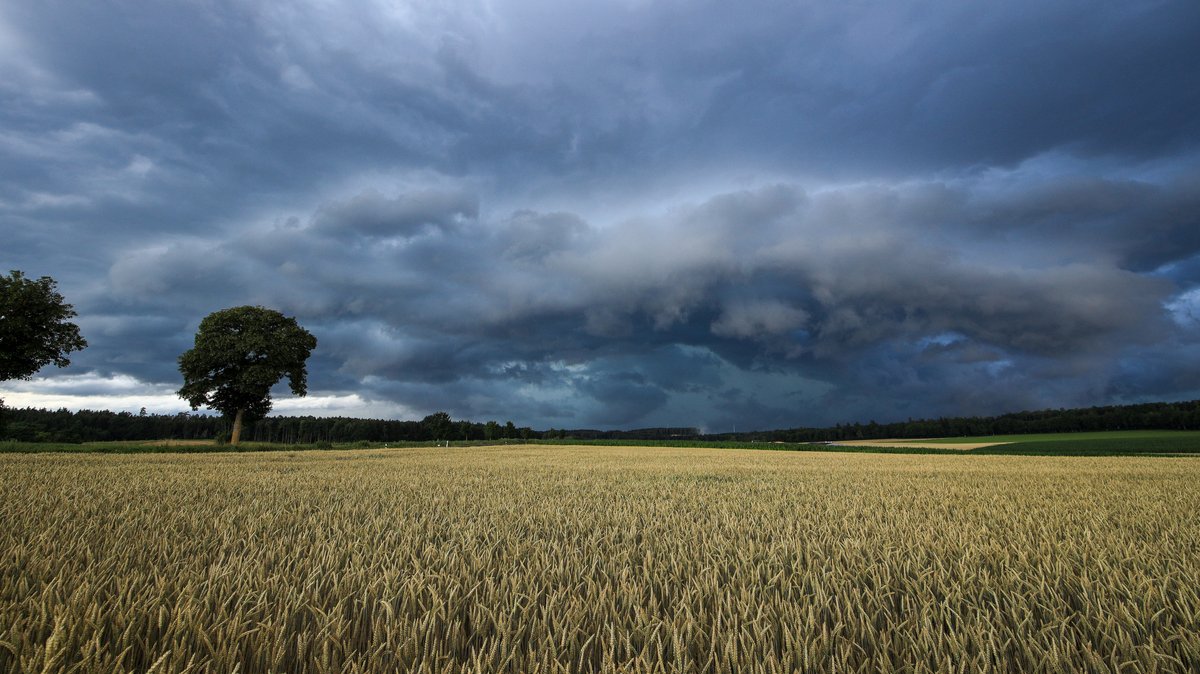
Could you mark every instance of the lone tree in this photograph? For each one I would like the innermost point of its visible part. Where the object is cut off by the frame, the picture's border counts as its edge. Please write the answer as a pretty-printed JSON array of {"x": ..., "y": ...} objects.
[
  {"x": 34, "y": 330},
  {"x": 240, "y": 353}
]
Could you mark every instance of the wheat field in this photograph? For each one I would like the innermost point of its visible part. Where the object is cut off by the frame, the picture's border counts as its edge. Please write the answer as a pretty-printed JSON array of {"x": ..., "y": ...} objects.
[{"x": 592, "y": 559}]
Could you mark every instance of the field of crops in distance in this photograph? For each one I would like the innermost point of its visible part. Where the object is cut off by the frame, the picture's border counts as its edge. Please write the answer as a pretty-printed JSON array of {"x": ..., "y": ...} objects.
[
  {"x": 594, "y": 559},
  {"x": 1100, "y": 443}
]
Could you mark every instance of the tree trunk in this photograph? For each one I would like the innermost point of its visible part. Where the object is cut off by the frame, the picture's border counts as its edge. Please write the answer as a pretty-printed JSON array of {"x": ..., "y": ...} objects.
[{"x": 237, "y": 428}]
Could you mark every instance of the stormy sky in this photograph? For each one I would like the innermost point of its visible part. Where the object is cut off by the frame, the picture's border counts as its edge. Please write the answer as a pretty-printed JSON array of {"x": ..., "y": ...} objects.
[{"x": 618, "y": 214}]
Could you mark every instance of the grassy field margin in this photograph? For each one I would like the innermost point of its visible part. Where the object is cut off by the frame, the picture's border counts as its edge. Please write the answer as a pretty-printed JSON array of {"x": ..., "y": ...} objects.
[{"x": 1115, "y": 443}]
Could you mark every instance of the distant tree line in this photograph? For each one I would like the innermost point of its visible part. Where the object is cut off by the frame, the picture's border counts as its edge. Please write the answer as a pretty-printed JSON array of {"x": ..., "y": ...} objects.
[
  {"x": 636, "y": 434},
  {"x": 63, "y": 425},
  {"x": 41, "y": 425},
  {"x": 1147, "y": 416}
]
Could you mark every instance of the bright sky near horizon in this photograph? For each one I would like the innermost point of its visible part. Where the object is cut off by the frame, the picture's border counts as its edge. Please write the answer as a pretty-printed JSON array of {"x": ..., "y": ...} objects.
[{"x": 618, "y": 214}]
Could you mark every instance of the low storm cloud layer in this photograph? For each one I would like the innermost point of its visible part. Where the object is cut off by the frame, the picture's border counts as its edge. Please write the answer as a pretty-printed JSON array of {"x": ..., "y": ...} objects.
[{"x": 618, "y": 214}]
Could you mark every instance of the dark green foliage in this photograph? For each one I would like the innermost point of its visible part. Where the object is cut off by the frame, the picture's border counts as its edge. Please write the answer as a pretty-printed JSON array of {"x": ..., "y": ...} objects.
[
  {"x": 438, "y": 425},
  {"x": 63, "y": 425},
  {"x": 34, "y": 326},
  {"x": 239, "y": 354}
]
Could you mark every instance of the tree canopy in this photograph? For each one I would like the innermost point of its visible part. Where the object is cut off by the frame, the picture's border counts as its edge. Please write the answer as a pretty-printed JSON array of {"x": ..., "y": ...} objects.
[
  {"x": 239, "y": 354},
  {"x": 34, "y": 326}
]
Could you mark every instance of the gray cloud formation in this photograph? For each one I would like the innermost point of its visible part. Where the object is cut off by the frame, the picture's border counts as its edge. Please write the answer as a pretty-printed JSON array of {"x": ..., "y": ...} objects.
[
  {"x": 772, "y": 280},
  {"x": 622, "y": 215}
]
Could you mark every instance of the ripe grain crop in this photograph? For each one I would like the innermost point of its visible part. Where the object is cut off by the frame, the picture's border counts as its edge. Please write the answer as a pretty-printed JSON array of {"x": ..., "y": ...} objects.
[{"x": 591, "y": 559}]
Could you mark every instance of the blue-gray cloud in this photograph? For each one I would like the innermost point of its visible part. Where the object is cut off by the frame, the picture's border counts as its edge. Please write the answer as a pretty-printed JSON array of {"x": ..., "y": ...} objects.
[{"x": 624, "y": 215}]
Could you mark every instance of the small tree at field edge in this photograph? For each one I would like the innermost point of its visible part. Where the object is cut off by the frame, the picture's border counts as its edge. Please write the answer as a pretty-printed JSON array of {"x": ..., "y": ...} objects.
[
  {"x": 34, "y": 330},
  {"x": 239, "y": 354}
]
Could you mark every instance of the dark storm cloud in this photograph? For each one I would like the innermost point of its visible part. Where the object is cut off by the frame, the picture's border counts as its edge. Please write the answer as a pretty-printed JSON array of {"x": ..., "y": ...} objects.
[
  {"x": 1139, "y": 224},
  {"x": 769, "y": 280},
  {"x": 916, "y": 85},
  {"x": 372, "y": 215},
  {"x": 647, "y": 213}
]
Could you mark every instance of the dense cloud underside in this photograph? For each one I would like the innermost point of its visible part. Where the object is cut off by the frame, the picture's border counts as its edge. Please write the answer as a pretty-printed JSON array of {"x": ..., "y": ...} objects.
[{"x": 634, "y": 214}]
